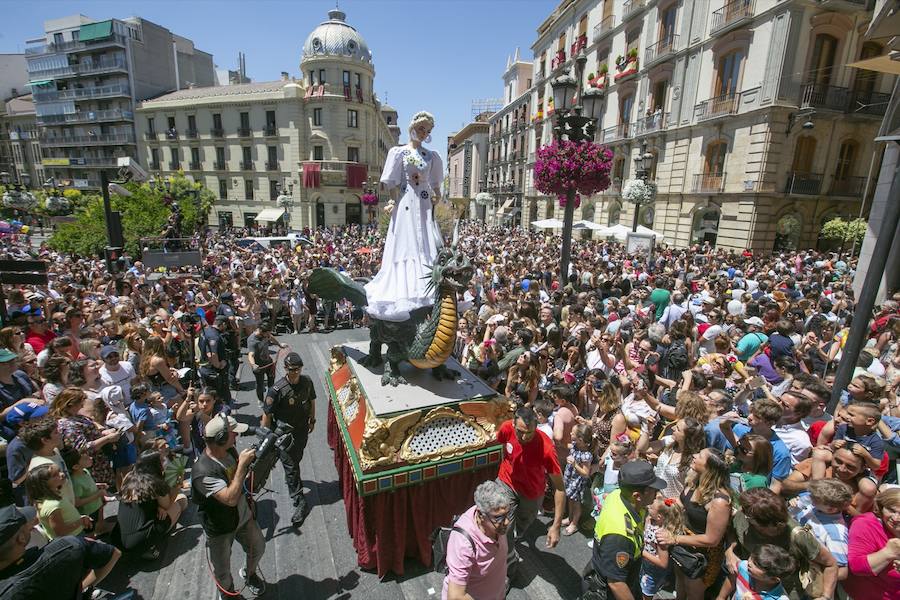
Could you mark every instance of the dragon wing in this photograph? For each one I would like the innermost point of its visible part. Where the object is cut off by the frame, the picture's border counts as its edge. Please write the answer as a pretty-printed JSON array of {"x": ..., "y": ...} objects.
[{"x": 333, "y": 285}]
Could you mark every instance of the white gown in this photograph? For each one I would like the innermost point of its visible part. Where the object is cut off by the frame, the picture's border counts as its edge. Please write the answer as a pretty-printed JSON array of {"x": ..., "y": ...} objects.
[{"x": 413, "y": 237}]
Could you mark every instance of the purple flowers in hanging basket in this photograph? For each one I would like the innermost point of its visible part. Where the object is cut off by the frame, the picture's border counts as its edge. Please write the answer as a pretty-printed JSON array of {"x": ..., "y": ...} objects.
[
  {"x": 369, "y": 199},
  {"x": 582, "y": 167}
]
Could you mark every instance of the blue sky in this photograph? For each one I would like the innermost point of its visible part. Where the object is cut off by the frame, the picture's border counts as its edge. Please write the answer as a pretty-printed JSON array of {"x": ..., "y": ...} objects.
[{"x": 435, "y": 55}]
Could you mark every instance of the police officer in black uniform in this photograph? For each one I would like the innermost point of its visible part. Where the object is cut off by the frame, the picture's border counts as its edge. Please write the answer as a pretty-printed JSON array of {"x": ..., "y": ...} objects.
[
  {"x": 292, "y": 401},
  {"x": 231, "y": 335},
  {"x": 214, "y": 358}
]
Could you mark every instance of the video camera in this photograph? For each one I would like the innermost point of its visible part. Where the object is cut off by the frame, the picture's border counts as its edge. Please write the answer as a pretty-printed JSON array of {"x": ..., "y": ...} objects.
[{"x": 282, "y": 438}]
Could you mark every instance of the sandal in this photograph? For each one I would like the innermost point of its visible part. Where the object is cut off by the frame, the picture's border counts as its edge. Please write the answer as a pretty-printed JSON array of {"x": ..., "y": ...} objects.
[
  {"x": 570, "y": 530},
  {"x": 566, "y": 521}
]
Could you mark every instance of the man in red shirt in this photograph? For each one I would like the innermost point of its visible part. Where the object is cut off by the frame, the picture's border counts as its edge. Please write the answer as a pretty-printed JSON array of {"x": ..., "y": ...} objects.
[
  {"x": 39, "y": 335},
  {"x": 529, "y": 457}
]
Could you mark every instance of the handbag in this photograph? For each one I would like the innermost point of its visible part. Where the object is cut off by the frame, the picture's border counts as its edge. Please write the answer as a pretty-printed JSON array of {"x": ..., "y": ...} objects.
[{"x": 692, "y": 564}]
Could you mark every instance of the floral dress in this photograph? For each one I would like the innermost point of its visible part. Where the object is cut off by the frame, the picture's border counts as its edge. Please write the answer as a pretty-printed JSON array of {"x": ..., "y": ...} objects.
[
  {"x": 79, "y": 431},
  {"x": 575, "y": 482}
]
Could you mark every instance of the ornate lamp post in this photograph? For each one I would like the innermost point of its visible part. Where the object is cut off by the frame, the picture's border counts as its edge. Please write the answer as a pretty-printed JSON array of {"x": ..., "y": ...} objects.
[
  {"x": 641, "y": 172},
  {"x": 16, "y": 195},
  {"x": 571, "y": 125}
]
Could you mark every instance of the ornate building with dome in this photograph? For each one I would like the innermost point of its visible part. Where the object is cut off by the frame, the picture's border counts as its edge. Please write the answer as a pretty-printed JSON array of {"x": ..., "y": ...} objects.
[{"x": 284, "y": 154}]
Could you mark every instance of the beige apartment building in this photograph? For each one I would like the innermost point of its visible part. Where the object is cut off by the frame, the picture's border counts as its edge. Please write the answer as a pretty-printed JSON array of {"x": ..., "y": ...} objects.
[
  {"x": 759, "y": 130},
  {"x": 20, "y": 148},
  {"x": 314, "y": 141},
  {"x": 467, "y": 152}
]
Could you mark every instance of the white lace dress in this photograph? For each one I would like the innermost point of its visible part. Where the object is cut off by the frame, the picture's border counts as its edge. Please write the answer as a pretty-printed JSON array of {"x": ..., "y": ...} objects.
[{"x": 413, "y": 238}]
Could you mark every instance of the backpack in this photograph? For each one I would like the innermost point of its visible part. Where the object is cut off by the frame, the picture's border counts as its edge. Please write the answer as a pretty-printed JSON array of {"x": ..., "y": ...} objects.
[
  {"x": 440, "y": 539},
  {"x": 675, "y": 360}
]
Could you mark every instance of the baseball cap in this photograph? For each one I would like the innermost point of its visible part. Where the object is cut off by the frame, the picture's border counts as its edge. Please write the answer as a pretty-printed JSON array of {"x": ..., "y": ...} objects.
[
  {"x": 107, "y": 350},
  {"x": 293, "y": 360},
  {"x": 12, "y": 518},
  {"x": 639, "y": 473},
  {"x": 19, "y": 413},
  {"x": 7, "y": 355},
  {"x": 754, "y": 321},
  {"x": 218, "y": 423}
]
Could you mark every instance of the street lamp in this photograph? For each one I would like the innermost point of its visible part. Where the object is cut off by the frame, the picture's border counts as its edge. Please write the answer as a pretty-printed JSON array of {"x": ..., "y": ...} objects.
[
  {"x": 641, "y": 171},
  {"x": 568, "y": 98}
]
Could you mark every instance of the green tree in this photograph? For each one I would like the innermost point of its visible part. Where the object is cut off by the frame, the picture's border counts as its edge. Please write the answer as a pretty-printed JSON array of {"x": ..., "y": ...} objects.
[
  {"x": 845, "y": 232},
  {"x": 144, "y": 215}
]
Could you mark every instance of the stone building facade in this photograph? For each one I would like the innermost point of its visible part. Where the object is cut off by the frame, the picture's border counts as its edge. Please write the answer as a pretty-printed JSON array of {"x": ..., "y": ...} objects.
[
  {"x": 759, "y": 132},
  {"x": 315, "y": 141},
  {"x": 20, "y": 147},
  {"x": 467, "y": 152}
]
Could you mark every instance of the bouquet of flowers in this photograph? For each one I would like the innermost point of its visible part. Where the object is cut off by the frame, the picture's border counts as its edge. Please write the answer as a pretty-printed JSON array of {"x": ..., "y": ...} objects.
[
  {"x": 580, "y": 166},
  {"x": 639, "y": 191},
  {"x": 369, "y": 199},
  {"x": 58, "y": 205},
  {"x": 19, "y": 200},
  {"x": 413, "y": 159}
]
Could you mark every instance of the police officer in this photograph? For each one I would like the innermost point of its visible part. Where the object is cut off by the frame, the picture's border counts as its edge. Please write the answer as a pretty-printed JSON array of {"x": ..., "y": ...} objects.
[
  {"x": 292, "y": 401},
  {"x": 214, "y": 358},
  {"x": 231, "y": 335},
  {"x": 615, "y": 566}
]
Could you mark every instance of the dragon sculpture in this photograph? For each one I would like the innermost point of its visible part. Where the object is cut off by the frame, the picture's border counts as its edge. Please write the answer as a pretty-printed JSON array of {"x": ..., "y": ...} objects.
[{"x": 426, "y": 339}]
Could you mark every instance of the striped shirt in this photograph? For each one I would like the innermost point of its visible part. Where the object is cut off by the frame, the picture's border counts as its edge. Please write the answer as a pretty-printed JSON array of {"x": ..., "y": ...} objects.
[{"x": 830, "y": 529}]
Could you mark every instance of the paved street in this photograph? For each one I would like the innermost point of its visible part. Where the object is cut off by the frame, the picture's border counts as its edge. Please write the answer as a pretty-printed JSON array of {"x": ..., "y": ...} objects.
[{"x": 318, "y": 562}]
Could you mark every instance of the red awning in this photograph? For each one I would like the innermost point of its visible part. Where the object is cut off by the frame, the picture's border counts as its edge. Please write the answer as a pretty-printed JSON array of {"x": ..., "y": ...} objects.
[
  {"x": 312, "y": 175},
  {"x": 356, "y": 176}
]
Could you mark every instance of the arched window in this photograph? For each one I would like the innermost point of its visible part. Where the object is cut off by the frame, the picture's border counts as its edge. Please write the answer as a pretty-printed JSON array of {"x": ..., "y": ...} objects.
[
  {"x": 822, "y": 63},
  {"x": 615, "y": 214},
  {"x": 787, "y": 232},
  {"x": 715, "y": 158},
  {"x": 844, "y": 181},
  {"x": 804, "y": 153}
]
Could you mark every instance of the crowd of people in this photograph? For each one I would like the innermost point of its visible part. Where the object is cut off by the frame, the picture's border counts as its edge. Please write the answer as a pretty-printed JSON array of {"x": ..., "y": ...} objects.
[{"x": 689, "y": 390}]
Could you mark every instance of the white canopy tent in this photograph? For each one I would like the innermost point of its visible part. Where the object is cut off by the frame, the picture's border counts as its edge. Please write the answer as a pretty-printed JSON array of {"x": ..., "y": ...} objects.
[
  {"x": 269, "y": 215},
  {"x": 588, "y": 225},
  {"x": 548, "y": 224},
  {"x": 620, "y": 232}
]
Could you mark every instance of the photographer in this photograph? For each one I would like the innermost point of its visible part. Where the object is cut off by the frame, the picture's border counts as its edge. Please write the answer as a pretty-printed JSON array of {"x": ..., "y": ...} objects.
[
  {"x": 213, "y": 358},
  {"x": 223, "y": 506},
  {"x": 291, "y": 401},
  {"x": 232, "y": 336}
]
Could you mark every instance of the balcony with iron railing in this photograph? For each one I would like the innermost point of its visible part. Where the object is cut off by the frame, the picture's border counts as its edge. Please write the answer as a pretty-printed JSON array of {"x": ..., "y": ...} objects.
[
  {"x": 271, "y": 166},
  {"x": 171, "y": 134},
  {"x": 88, "y": 140},
  {"x": 192, "y": 134},
  {"x": 809, "y": 184},
  {"x": 616, "y": 133},
  {"x": 661, "y": 50},
  {"x": 243, "y": 132},
  {"x": 74, "y": 46},
  {"x": 106, "y": 91},
  {"x": 841, "y": 99},
  {"x": 849, "y": 6},
  {"x": 708, "y": 183},
  {"x": 270, "y": 131},
  {"x": 731, "y": 16},
  {"x": 847, "y": 186},
  {"x": 604, "y": 27},
  {"x": 720, "y": 106},
  {"x": 194, "y": 166},
  {"x": 220, "y": 166},
  {"x": 652, "y": 123},
  {"x": 578, "y": 45},
  {"x": 246, "y": 165},
  {"x": 151, "y": 136},
  {"x": 174, "y": 165},
  {"x": 153, "y": 166},
  {"x": 81, "y": 162},
  {"x": 631, "y": 8},
  {"x": 85, "y": 68},
  {"x": 217, "y": 132},
  {"x": 90, "y": 116},
  {"x": 559, "y": 59}
]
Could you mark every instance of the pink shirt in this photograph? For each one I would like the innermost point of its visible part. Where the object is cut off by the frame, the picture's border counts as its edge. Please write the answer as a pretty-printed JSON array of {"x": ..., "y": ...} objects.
[
  {"x": 868, "y": 535},
  {"x": 483, "y": 574}
]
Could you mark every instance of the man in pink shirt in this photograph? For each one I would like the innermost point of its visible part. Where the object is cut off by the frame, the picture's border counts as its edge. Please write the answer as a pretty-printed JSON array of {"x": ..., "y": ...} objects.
[{"x": 476, "y": 556}]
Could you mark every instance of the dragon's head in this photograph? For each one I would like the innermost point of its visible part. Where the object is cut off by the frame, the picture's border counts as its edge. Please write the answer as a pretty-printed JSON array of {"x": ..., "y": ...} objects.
[{"x": 451, "y": 270}]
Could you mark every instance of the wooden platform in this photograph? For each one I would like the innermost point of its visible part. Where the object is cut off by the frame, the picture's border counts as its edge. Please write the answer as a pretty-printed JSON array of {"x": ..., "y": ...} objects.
[{"x": 318, "y": 562}]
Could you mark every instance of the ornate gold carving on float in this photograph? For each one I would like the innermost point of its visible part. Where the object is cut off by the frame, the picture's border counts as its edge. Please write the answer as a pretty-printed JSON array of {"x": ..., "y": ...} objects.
[
  {"x": 443, "y": 433},
  {"x": 491, "y": 413},
  {"x": 383, "y": 438}
]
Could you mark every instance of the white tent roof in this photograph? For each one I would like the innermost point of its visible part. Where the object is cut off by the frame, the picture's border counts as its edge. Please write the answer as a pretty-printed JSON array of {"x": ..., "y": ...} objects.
[
  {"x": 587, "y": 225},
  {"x": 269, "y": 215},
  {"x": 548, "y": 224},
  {"x": 620, "y": 232}
]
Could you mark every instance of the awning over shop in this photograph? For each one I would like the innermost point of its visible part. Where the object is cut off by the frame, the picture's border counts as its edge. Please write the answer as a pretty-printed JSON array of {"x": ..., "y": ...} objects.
[
  {"x": 269, "y": 215},
  {"x": 95, "y": 31},
  {"x": 41, "y": 82},
  {"x": 880, "y": 64},
  {"x": 505, "y": 206}
]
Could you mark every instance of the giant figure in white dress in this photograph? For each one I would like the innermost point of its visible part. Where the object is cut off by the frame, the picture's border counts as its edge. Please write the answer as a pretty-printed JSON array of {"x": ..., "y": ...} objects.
[{"x": 413, "y": 174}]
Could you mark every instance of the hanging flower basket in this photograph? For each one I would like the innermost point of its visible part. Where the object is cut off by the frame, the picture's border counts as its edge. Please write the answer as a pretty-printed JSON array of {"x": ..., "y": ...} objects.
[
  {"x": 369, "y": 199},
  {"x": 566, "y": 166},
  {"x": 19, "y": 200},
  {"x": 284, "y": 201},
  {"x": 58, "y": 206},
  {"x": 483, "y": 198},
  {"x": 639, "y": 191}
]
